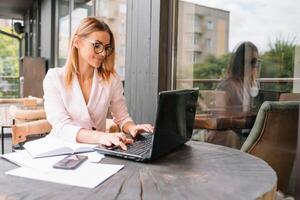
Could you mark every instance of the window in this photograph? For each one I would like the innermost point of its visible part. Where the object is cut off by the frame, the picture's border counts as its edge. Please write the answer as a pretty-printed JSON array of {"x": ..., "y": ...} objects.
[
  {"x": 250, "y": 54},
  {"x": 64, "y": 31},
  {"x": 209, "y": 25},
  {"x": 122, "y": 8},
  {"x": 209, "y": 44},
  {"x": 113, "y": 12},
  {"x": 82, "y": 9},
  {"x": 68, "y": 22},
  {"x": 9, "y": 61}
]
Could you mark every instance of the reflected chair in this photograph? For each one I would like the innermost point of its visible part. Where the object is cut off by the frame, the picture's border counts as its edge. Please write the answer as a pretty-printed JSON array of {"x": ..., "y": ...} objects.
[
  {"x": 212, "y": 100},
  {"x": 273, "y": 138},
  {"x": 289, "y": 97}
]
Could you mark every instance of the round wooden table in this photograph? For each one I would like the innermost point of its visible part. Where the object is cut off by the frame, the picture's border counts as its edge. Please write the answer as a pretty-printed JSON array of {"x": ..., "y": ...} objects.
[{"x": 195, "y": 171}]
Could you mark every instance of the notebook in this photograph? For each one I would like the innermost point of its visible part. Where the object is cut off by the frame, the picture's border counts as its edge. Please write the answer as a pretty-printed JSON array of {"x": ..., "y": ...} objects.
[
  {"x": 173, "y": 127},
  {"x": 50, "y": 146}
]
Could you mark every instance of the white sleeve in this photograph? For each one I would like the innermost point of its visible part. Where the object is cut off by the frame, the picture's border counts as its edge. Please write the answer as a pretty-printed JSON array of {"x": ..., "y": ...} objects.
[
  {"x": 118, "y": 104},
  {"x": 56, "y": 112}
]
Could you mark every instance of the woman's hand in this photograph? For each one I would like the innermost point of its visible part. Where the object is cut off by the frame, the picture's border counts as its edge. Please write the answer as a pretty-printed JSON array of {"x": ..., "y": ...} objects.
[
  {"x": 117, "y": 139},
  {"x": 135, "y": 129}
]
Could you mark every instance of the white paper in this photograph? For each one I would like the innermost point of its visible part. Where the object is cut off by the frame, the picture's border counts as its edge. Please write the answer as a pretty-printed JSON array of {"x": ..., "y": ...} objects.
[
  {"x": 23, "y": 159},
  {"x": 88, "y": 175}
]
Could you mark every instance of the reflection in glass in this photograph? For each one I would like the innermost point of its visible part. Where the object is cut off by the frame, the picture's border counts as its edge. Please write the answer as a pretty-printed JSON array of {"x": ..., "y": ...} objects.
[
  {"x": 211, "y": 30},
  {"x": 202, "y": 33},
  {"x": 241, "y": 83},
  {"x": 208, "y": 31}
]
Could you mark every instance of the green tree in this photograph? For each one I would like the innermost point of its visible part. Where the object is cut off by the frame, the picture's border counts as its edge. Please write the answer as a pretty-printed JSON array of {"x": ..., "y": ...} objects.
[
  {"x": 211, "y": 67},
  {"x": 278, "y": 62},
  {"x": 9, "y": 65},
  {"x": 9, "y": 55}
]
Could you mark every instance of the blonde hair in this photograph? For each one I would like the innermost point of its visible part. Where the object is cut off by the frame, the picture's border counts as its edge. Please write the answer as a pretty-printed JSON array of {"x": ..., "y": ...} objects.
[{"x": 87, "y": 26}]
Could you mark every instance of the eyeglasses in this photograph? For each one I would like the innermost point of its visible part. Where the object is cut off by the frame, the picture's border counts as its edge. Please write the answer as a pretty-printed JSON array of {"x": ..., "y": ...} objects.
[
  {"x": 255, "y": 62},
  {"x": 99, "y": 47}
]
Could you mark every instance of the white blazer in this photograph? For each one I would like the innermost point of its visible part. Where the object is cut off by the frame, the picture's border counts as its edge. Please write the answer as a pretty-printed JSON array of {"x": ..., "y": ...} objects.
[{"x": 67, "y": 111}]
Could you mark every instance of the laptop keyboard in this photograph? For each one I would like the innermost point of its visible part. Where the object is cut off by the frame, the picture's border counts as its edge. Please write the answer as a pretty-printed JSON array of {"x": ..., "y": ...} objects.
[{"x": 140, "y": 146}]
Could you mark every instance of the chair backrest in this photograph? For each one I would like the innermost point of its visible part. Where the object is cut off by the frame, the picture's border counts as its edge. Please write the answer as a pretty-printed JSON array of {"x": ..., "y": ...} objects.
[
  {"x": 289, "y": 97},
  {"x": 20, "y": 132},
  {"x": 212, "y": 100},
  {"x": 273, "y": 138},
  {"x": 21, "y": 116}
]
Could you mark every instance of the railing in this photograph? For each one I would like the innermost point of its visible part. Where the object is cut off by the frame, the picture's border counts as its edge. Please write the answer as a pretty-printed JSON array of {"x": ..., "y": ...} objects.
[
  {"x": 274, "y": 84},
  {"x": 261, "y": 80}
]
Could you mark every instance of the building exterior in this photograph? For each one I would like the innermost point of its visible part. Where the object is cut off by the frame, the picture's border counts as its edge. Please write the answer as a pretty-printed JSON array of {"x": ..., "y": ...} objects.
[{"x": 202, "y": 31}]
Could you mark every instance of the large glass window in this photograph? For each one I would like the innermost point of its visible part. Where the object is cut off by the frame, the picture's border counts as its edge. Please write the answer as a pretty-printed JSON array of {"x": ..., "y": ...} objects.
[
  {"x": 209, "y": 33},
  {"x": 113, "y": 12},
  {"x": 63, "y": 31},
  {"x": 82, "y": 9},
  {"x": 9, "y": 60},
  {"x": 68, "y": 22},
  {"x": 242, "y": 54}
]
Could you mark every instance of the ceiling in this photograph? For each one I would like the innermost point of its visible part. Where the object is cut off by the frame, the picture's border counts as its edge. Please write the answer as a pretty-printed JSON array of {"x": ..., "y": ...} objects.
[{"x": 14, "y": 9}]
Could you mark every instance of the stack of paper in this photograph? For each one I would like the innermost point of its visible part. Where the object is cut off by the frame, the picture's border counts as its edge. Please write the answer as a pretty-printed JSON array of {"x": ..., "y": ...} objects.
[{"x": 90, "y": 174}]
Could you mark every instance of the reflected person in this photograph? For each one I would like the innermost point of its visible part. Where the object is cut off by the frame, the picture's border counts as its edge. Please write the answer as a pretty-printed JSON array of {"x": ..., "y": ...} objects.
[
  {"x": 240, "y": 84},
  {"x": 241, "y": 87}
]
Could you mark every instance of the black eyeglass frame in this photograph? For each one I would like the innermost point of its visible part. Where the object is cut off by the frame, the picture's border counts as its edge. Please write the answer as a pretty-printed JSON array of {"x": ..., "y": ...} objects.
[{"x": 108, "y": 49}]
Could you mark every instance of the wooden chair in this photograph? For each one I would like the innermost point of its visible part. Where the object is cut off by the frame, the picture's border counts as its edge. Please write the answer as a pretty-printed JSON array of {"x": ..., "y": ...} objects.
[
  {"x": 273, "y": 138},
  {"x": 32, "y": 129},
  {"x": 289, "y": 97},
  {"x": 212, "y": 100}
]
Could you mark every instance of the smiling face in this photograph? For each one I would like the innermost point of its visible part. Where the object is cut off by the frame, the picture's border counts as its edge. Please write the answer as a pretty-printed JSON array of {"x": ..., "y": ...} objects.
[{"x": 88, "y": 48}]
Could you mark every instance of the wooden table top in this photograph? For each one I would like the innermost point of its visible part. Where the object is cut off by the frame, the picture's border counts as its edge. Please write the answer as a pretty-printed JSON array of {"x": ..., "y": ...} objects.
[
  {"x": 225, "y": 120},
  {"x": 195, "y": 171}
]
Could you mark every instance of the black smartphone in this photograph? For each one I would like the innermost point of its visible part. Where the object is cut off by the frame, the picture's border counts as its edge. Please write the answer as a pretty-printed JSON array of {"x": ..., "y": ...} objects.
[{"x": 70, "y": 162}]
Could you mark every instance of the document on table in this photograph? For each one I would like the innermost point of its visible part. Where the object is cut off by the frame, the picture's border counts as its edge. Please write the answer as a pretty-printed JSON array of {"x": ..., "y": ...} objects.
[
  {"x": 89, "y": 174},
  {"x": 23, "y": 159}
]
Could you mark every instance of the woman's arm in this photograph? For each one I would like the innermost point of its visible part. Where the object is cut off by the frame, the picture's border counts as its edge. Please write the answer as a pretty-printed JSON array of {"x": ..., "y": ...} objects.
[{"x": 121, "y": 115}]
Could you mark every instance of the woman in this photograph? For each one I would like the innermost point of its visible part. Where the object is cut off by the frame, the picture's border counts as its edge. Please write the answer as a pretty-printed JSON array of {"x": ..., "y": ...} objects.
[
  {"x": 241, "y": 84},
  {"x": 77, "y": 96}
]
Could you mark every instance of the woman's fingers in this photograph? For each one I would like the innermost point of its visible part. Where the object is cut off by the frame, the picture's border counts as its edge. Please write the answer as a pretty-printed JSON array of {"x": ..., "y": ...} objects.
[
  {"x": 118, "y": 140},
  {"x": 121, "y": 136},
  {"x": 106, "y": 143},
  {"x": 128, "y": 141},
  {"x": 147, "y": 127}
]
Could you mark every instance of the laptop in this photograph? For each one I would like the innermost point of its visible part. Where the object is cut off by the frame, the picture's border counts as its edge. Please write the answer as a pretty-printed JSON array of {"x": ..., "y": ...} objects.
[{"x": 173, "y": 127}]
